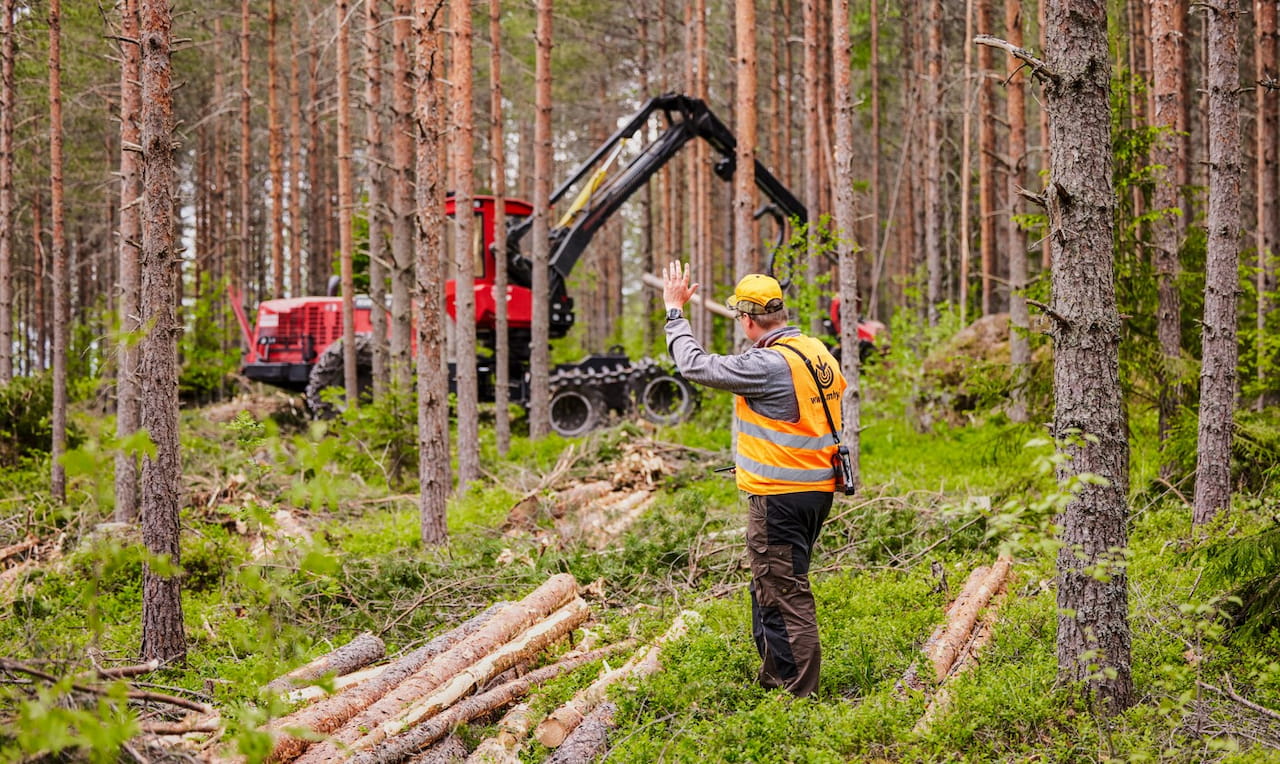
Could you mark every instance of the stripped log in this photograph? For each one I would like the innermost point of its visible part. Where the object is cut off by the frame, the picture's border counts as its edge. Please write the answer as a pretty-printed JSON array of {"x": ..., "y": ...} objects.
[
  {"x": 451, "y": 750},
  {"x": 504, "y": 747},
  {"x": 964, "y": 614},
  {"x": 340, "y": 683},
  {"x": 397, "y": 748},
  {"x": 511, "y": 620},
  {"x": 331, "y": 713},
  {"x": 981, "y": 637},
  {"x": 590, "y": 740},
  {"x": 364, "y": 649},
  {"x": 533, "y": 641},
  {"x": 557, "y": 726}
]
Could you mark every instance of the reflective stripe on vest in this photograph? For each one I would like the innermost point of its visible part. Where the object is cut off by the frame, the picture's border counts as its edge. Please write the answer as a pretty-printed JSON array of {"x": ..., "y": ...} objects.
[{"x": 786, "y": 457}]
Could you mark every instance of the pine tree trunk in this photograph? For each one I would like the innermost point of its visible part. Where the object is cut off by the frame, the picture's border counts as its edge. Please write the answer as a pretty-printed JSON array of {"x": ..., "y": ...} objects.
[
  {"x": 986, "y": 160},
  {"x": 873, "y": 73},
  {"x": 1019, "y": 320},
  {"x": 812, "y": 162},
  {"x": 377, "y": 188},
  {"x": 41, "y": 276},
  {"x": 744, "y": 186},
  {"x": 1093, "y": 628},
  {"x": 966, "y": 180},
  {"x": 319, "y": 263},
  {"x": 468, "y": 407},
  {"x": 433, "y": 376},
  {"x": 845, "y": 217},
  {"x": 296, "y": 288},
  {"x": 498, "y": 176},
  {"x": 240, "y": 269},
  {"x": 61, "y": 280},
  {"x": 127, "y": 409},
  {"x": 539, "y": 363},
  {"x": 163, "y": 638},
  {"x": 1268, "y": 182},
  {"x": 1167, "y": 87},
  {"x": 933, "y": 163},
  {"x": 1219, "y": 354},
  {"x": 403, "y": 240},
  {"x": 6, "y": 189},
  {"x": 275, "y": 153},
  {"x": 346, "y": 207}
]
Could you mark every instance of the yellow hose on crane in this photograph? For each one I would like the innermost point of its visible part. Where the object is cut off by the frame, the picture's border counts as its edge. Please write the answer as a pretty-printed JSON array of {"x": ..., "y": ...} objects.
[{"x": 584, "y": 196}]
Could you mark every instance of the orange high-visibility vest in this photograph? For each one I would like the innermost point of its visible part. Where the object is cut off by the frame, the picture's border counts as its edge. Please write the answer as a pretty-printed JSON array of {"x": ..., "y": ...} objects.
[{"x": 788, "y": 457}]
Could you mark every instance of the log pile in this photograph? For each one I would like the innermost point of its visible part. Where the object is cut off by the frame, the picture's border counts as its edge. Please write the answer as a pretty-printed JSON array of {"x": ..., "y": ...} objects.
[{"x": 954, "y": 646}]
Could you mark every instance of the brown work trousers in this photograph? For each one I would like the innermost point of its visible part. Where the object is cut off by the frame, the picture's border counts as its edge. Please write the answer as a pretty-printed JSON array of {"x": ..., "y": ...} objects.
[{"x": 781, "y": 531}]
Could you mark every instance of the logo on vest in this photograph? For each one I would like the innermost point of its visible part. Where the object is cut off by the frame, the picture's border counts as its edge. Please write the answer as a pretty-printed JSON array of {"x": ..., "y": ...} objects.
[{"x": 826, "y": 375}]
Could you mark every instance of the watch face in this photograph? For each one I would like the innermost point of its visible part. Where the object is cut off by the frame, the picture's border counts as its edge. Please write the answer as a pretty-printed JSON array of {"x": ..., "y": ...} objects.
[{"x": 673, "y": 314}]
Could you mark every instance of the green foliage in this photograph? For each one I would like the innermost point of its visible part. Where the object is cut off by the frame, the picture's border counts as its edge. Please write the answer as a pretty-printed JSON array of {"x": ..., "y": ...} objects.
[
  {"x": 26, "y": 410},
  {"x": 209, "y": 348}
]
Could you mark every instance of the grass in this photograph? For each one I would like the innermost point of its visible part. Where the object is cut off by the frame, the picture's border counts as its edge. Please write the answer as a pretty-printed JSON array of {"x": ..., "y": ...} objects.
[{"x": 928, "y": 497}]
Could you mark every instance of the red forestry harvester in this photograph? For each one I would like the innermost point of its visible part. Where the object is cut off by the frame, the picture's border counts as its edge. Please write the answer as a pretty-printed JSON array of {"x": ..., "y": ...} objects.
[{"x": 297, "y": 344}]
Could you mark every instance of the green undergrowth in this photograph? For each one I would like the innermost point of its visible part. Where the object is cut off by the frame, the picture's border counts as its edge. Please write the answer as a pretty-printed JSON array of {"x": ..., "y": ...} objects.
[{"x": 933, "y": 506}]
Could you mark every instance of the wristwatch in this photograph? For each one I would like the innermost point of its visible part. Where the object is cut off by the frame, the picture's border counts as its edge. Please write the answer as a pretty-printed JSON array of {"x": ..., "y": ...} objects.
[{"x": 674, "y": 313}]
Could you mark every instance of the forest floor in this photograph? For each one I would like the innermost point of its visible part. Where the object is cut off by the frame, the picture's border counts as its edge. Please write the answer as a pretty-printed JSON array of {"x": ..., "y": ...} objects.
[{"x": 298, "y": 535}]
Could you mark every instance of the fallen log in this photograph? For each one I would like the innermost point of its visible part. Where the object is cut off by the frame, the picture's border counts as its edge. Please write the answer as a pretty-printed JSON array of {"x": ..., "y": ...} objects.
[
  {"x": 941, "y": 700},
  {"x": 511, "y": 620},
  {"x": 533, "y": 641},
  {"x": 963, "y": 616},
  {"x": 504, "y": 747},
  {"x": 340, "y": 683},
  {"x": 331, "y": 713},
  {"x": 590, "y": 740},
  {"x": 557, "y": 726},
  {"x": 13, "y": 550},
  {"x": 397, "y": 748},
  {"x": 451, "y": 750},
  {"x": 364, "y": 649}
]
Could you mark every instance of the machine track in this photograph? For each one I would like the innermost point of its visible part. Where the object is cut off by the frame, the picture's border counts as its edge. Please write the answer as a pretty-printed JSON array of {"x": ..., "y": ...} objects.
[{"x": 586, "y": 394}]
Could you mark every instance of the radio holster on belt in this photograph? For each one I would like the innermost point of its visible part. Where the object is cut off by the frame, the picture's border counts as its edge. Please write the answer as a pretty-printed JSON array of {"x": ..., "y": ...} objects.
[{"x": 841, "y": 461}]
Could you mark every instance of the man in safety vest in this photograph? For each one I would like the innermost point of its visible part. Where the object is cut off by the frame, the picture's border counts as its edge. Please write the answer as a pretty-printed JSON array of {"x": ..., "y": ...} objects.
[{"x": 783, "y": 464}]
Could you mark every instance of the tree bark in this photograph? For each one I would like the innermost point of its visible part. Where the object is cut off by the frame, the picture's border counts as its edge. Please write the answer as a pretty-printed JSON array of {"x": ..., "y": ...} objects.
[
  {"x": 346, "y": 207},
  {"x": 1267, "y": 240},
  {"x": 377, "y": 191},
  {"x": 468, "y": 406},
  {"x": 128, "y": 412},
  {"x": 1093, "y": 626},
  {"x": 402, "y": 194},
  {"x": 296, "y": 288},
  {"x": 498, "y": 175},
  {"x": 986, "y": 160},
  {"x": 1219, "y": 354},
  {"x": 1167, "y": 83},
  {"x": 590, "y": 740},
  {"x": 162, "y": 632},
  {"x": 744, "y": 181},
  {"x": 240, "y": 268},
  {"x": 845, "y": 217},
  {"x": 61, "y": 280},
  {"x": 7, "y": 103},
  {"x": 362, "y": 650},
  {"x": 275, "y": 154},
  {"x": 933, "y": 163},
  {"x": 504, "y": 746},
  {"x": 812, "y": 161},
  {"x": 1019, "y": 320},
  {"x": 433, "y": 376},
  {"x": 539, "y": 363}
]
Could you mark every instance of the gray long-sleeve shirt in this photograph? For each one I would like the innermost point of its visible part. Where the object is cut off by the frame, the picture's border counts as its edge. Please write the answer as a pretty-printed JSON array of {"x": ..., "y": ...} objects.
[{"x": 759, "y": 374}]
